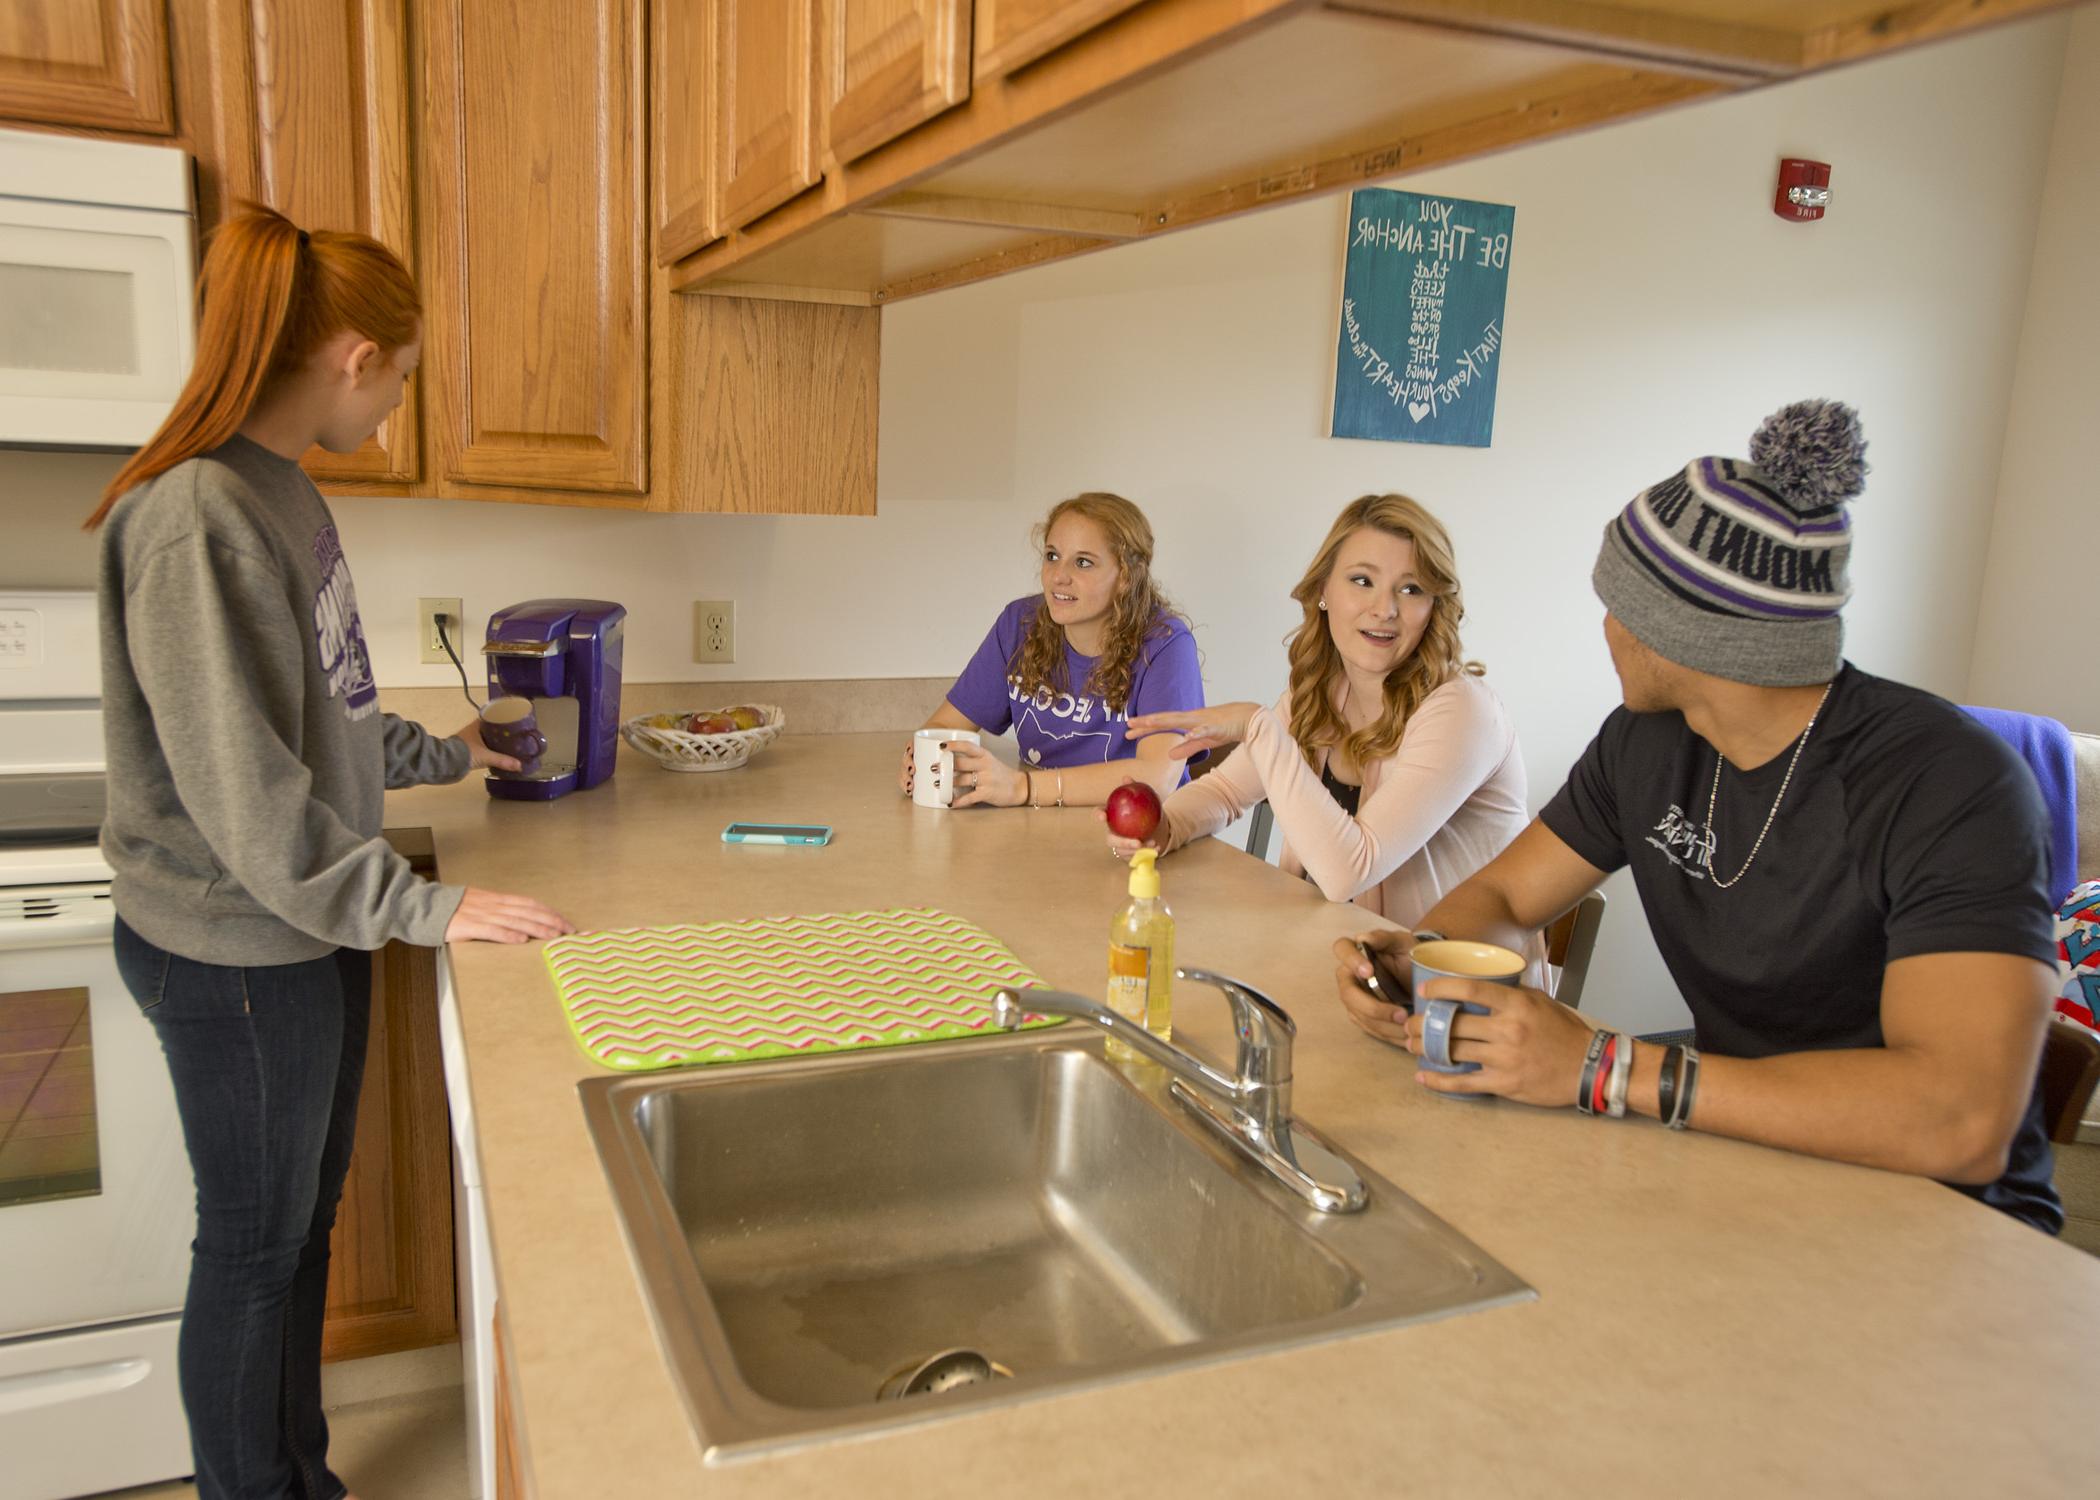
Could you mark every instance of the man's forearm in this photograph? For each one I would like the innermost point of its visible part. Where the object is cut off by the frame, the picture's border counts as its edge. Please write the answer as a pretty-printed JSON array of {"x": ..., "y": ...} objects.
[
  {"x": 1876, "y": 1107},
  {"x": 1479, "y": 910}
]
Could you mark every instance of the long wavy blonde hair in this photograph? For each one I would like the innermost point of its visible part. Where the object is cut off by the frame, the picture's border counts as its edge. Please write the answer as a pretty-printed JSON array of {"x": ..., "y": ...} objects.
[
  {"x": 1316, "y": 662},
  {"x": 1138, "y": 613}
]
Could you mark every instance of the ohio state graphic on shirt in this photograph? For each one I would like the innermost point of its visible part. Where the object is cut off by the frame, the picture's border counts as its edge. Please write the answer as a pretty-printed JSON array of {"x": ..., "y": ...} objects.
[
  {"x": 339, "y": 634},
  {"x": 1072, "y": 727}
]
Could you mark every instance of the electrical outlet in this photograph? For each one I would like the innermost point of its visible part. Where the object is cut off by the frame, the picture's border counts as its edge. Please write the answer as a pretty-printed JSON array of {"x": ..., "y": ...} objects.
[
  {"x": 428, "y": 612},
  {"x": 714, "y": 630}
]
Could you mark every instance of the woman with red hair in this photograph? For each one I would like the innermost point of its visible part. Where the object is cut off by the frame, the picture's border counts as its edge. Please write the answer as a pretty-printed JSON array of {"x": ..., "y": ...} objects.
[{"x": 247, "y": 764}]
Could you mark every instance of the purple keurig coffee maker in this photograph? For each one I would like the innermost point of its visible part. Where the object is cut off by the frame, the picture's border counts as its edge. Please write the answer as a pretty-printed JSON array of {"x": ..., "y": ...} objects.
[{"x": 563, "y": 654}]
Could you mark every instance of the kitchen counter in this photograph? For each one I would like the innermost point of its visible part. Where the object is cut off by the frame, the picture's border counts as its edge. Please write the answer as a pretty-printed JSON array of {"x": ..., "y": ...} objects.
[{"x": 1713, "y": 1318}]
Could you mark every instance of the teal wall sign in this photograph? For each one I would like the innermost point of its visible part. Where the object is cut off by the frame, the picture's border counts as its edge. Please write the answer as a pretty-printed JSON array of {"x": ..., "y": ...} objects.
[{"x": 1423, "y": 286}]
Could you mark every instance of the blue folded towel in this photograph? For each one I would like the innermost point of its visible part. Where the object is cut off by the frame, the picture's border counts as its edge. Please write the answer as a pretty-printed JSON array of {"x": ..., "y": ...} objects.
[{"x": 2046, "y": 747}]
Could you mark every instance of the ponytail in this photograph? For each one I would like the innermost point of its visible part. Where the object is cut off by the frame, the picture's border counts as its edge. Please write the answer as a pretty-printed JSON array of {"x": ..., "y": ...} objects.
[{"x": 269, "y": 296}]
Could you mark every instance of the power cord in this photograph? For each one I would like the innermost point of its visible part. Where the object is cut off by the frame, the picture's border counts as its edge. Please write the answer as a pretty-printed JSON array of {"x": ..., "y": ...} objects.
[{"x": 446, "y": 641}]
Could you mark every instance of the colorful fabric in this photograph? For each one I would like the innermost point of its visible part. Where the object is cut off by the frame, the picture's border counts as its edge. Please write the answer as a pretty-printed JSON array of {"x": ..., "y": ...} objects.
[
  {"x": 1073, "y": 727},
  {"x": 665, "y": 997},
  {"x": 2078, "y": 954},
  {"x": 1739, "y": 569}
]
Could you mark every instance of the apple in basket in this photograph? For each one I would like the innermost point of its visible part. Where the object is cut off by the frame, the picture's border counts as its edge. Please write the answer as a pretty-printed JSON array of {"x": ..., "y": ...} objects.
[
  {"x": 744, "y": 716},
  {"x": 710, "y": 724},
  {"x": 1133, "y": 811}
]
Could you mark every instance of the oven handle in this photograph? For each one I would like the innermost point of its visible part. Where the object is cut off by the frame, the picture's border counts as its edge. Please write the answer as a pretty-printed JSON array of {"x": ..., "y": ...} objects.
[
  {"x": 20, "y": 1393},
  {"x": 90, "y": 929}
]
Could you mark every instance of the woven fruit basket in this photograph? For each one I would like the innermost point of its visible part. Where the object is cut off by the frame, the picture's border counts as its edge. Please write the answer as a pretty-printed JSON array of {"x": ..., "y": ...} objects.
[{"x": 665, "y": 739}]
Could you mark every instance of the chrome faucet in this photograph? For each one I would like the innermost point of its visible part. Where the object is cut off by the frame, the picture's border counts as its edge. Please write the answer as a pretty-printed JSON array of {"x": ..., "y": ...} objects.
[{"x": 1251, "y": 1108}]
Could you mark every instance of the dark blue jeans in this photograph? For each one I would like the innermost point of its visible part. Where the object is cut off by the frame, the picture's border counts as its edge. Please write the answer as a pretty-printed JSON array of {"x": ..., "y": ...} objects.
[{"x": 267, "y": 1063}]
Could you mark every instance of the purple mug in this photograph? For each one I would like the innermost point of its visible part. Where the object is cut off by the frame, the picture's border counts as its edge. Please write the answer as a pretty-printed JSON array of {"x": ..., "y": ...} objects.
[{"x": 509, "y": 728}]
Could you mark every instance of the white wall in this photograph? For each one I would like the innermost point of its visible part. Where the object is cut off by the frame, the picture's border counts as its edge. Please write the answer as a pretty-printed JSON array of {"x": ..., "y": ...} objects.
[
  {"x": 1657, "y": 310},
  {"x": 2035, "y": 633}
]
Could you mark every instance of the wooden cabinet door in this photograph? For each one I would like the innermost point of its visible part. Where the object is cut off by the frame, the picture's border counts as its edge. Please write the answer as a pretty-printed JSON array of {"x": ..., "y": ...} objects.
[
  {"x": 309, "y": 113},
  {"x": 1012, "y": 33},
  {"x": 390, "y": 1276},
  {"x": 682, "y": 103},
  {"x": 97, "y": 64},
  {"x": 890, "y": 65},
  {"x": 765, "y": 114},
  {"x": 536, "y": 210}
]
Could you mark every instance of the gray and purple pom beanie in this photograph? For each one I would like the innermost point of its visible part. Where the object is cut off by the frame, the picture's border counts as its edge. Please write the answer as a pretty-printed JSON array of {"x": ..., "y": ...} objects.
[{"x": 1738, "y": 569}]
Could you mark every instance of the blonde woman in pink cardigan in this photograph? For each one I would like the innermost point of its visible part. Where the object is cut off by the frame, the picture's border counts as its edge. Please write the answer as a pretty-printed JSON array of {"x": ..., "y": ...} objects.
[{"x": 1391, "y": 766}]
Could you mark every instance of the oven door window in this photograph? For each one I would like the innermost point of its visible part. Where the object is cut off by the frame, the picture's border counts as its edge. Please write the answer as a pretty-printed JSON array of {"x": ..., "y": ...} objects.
[{"x": 48, "y": 1141}]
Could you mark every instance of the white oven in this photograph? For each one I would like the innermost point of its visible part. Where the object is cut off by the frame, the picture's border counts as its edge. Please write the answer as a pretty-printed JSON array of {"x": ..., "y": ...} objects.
[
  {"x": 97, "y": 1207},
  {"x": 97, "y": 272}
]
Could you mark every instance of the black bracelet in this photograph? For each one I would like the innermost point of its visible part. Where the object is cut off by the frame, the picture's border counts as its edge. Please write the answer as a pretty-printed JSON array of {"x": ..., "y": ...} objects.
[
  {"x": 1687, "y": 1086},
  {"x": 1666, "y": 1087},
  {"x": 1589, "y": 1071}
]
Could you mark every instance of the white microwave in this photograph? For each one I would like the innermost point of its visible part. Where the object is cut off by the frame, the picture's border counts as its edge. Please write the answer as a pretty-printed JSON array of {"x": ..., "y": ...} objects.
[{"x": 98, "y": 249}]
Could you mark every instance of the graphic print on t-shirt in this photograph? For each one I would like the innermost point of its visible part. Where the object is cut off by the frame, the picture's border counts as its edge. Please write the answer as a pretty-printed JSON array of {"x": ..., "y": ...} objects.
[
  {"x": 338, "y": 633},
  {"x": 1686, "y": 844},
  {"x": 1061, "y": 717}
]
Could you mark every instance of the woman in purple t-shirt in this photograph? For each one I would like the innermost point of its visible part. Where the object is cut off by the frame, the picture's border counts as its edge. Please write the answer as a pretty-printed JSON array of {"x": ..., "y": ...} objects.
[{"x": 1066, "y": 669}]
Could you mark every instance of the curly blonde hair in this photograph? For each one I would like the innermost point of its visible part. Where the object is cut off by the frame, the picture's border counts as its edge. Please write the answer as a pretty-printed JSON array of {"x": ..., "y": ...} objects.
[
  {"x": 1316, "y": 662},
  {"x": 1138, "y": 612}
]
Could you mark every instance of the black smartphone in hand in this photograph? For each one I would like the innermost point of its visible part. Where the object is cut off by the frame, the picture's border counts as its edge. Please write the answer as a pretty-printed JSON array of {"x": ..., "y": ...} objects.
[{"x": 1385, "y": 982}]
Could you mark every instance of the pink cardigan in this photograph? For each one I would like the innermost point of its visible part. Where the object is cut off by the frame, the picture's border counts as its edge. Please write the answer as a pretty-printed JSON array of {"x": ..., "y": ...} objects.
[{"x": 1448, "y": 799}]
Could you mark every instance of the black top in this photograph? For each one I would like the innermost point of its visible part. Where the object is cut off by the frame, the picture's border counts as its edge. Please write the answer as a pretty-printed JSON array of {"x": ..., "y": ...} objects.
[
  {"x": 1908, "y": 828},
  {"x": 1348, "y": 796}
]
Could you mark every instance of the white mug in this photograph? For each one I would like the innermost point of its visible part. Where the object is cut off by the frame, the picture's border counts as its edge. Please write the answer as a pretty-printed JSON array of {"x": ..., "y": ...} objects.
[{"x": 932, "y": 768}]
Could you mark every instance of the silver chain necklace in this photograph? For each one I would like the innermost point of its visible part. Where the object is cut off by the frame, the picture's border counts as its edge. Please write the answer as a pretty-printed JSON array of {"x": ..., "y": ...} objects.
[{"x": 1714, "y": 796}]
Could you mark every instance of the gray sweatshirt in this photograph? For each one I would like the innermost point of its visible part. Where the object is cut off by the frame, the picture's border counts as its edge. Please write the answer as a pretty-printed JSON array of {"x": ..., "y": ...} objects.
[{"x": 247, "y": 754}]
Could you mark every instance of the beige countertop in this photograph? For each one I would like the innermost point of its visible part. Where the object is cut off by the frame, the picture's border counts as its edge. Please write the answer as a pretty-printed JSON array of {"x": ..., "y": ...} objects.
[{"x": 1713, "y": 1318}]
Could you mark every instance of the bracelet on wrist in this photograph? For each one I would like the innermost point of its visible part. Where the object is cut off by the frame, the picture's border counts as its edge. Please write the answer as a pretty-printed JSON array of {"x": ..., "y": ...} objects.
[
  {"x": 1028, "y": 776},
  {"x": 1687, "y": 1086},
  {"x": 1666, "y": 1084},
  {"x": 1621, "y": 1077},
  {"x": 1592, "y": 1060}
]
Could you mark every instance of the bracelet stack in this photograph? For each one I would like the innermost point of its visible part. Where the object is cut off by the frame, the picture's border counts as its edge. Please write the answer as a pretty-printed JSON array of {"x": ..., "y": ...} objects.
[{"x": 1607, "y": 1072}]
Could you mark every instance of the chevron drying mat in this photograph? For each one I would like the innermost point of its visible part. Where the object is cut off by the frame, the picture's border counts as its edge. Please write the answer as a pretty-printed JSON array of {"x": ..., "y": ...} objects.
[{"x": 666, "y": 997}]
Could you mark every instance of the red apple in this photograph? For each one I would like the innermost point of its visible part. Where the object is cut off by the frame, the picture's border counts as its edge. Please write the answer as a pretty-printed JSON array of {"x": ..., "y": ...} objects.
[{"x": 1133, "y": 811}]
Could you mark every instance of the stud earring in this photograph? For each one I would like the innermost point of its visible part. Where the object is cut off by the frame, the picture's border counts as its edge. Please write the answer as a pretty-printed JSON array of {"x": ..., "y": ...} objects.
[{"x": 1323, "y": 604}]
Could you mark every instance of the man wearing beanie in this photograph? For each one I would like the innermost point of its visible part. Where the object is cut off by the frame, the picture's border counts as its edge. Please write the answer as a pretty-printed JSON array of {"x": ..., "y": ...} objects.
[{"x": 1847, "y": 877}]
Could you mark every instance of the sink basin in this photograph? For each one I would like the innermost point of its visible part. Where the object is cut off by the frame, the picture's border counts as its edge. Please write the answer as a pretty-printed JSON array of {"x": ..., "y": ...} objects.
[{"x": 807, "y": 1233}]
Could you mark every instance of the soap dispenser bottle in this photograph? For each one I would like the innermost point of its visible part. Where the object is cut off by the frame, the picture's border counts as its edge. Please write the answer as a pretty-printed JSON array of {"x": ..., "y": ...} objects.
[{"x": 1141, "y": 956}]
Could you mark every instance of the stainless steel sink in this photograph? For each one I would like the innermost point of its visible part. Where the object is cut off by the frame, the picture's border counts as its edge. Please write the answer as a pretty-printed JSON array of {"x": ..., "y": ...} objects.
[{"x": 808, "y": 1232}]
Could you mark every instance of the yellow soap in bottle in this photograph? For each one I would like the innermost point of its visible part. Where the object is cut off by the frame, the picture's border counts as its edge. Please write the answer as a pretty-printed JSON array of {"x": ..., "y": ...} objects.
[{"x": 1141, "y": 956}]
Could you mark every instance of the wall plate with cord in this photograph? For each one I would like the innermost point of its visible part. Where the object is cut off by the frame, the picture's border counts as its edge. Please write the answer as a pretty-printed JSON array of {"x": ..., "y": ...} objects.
[{"x": 428, "y": 612}]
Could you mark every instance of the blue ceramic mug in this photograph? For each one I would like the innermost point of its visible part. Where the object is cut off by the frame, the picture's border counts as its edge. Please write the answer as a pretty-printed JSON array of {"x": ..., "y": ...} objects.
[{"x": 1453, "y": 958}]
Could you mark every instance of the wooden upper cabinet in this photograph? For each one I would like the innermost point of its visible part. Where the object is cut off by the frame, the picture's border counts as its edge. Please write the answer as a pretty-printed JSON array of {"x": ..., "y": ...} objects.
[
  {"x": 889, "y": 65},
  {"x": 765, "y": 106},
  {"x": 682, "y": 101},
  {"x": 536, "y": 218},
  {"x": 1013, "y": 33},
  {"x": 309, "y": 113},
  {"x": 96, "y": 64}
]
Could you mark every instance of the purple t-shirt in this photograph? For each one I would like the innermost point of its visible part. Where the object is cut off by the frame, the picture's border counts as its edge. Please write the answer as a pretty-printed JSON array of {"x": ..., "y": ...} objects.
[{"x": 1075, "y": 728}]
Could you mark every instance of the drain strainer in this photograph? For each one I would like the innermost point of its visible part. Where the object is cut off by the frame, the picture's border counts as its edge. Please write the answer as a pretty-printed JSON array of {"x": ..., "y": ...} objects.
[{"x": 949, "y": 1370}]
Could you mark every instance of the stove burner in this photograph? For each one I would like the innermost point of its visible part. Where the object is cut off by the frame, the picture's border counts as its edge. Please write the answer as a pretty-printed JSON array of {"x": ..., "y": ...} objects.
[{"x": 42, "y": 810}]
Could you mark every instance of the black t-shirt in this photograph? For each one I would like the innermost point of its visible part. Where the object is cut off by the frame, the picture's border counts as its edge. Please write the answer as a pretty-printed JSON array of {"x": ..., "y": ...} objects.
[{"x": 1907, "y": 828}]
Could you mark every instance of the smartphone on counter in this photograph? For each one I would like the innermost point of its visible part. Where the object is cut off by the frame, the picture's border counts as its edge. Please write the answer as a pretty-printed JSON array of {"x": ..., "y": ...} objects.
[
  {"x": 777, "y": 833},
  {"x": 1384, "y": 982}
]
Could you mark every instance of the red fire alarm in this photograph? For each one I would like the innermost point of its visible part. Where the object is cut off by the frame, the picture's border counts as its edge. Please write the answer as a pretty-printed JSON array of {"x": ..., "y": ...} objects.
[{"x": 1804, "y": 189}]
